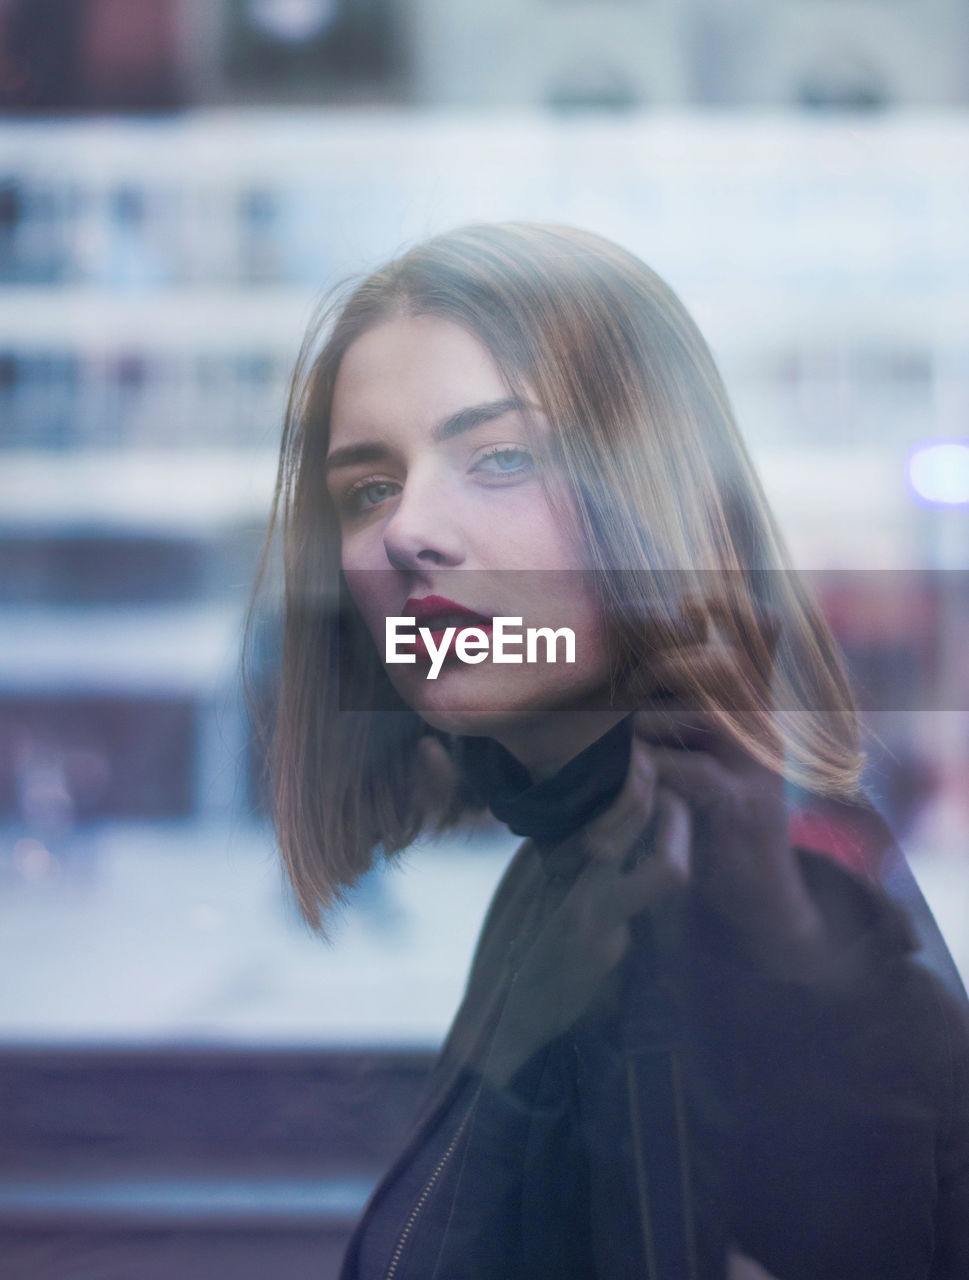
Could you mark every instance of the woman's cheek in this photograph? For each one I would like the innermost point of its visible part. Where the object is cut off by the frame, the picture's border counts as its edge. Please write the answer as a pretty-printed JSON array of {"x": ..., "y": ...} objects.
[{"x": 515, "y": 530}]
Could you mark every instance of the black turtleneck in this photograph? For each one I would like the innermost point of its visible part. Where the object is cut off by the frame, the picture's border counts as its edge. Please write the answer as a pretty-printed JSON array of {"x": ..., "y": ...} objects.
[{"x": 553, "y": 809}]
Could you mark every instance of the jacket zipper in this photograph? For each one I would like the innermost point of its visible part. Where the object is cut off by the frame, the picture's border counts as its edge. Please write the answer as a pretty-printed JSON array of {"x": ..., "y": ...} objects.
[{"x": 415, "y": 1212}]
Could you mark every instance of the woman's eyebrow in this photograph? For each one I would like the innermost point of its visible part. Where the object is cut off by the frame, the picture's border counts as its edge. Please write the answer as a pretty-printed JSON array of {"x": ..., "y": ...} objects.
[
  {"x": 353, "y": 455},
  {"x": 455, "y": 425},
  {"x": 474, "y": 415}
]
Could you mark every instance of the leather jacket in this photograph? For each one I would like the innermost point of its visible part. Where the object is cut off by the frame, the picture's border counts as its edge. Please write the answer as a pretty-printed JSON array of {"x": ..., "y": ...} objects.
[{"x": 821, "y": 1130}]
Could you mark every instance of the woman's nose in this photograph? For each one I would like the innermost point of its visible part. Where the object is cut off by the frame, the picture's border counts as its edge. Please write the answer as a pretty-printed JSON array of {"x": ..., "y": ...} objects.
[{"x": 423, "y": 531}]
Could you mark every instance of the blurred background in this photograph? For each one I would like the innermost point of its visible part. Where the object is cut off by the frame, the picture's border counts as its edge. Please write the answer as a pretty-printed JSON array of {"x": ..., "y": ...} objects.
[{"x": 192, "y": 1085}]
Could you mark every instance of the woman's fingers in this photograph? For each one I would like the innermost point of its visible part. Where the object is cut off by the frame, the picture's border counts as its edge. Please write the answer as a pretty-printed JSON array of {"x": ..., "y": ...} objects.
[
  {"x": 610, "y": 836},
  {"x": 665, "y": 866},
  {"x": 588, "y": 934},
  {"x": 739, "y": 814},
  {"x": 674, "y": 829},
  {"x": 695, "y": 776},
  {"x": 605, "y": 895}
]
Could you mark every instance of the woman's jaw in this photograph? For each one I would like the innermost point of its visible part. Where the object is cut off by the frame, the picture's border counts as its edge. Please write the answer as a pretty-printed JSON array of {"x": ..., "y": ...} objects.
[{"x": 544, "y": 714}]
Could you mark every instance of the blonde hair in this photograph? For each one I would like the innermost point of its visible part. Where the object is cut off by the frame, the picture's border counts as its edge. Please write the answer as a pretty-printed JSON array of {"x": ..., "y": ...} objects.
[{"x": 666, "y": 501}]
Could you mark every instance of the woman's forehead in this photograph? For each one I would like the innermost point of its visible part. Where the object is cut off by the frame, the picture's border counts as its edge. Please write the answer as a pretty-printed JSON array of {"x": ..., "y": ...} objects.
[{"x": 411, "y": 371}]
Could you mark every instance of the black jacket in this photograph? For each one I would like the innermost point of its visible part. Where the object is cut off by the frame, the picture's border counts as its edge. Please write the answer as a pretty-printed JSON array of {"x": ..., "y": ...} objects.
[{"x": 699, "y": 1108}]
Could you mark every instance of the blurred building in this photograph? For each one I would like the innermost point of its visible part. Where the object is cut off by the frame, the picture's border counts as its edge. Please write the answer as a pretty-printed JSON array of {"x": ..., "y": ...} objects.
[
  {"x": 155, "y": 281},
  {"x": 151, "y": 55},
  {"x": 609, "y": 53},
  {"x": 564, "y": 54},
  {"x": 64, "y": 54},
  {"x": 841, "y": 54},
  {"x": 156, "y": 277},
  {"x": 119, "y": 638}
]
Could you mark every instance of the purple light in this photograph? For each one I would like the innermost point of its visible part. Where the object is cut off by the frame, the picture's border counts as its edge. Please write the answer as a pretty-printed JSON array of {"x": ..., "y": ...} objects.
[{"x": 939, "y": 472}]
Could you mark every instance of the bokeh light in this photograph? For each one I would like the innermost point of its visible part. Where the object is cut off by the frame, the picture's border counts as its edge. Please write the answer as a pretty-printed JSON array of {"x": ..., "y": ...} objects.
[{"x": 939, "y": 472}]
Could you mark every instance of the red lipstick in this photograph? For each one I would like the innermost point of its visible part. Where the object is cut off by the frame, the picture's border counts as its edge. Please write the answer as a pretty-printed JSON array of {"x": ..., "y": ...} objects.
[{"x": 436, "y": 613}]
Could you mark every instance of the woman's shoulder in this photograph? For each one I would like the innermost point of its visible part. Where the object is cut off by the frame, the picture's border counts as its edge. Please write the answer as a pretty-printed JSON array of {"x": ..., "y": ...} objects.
[{"x": 852, "y": 860}]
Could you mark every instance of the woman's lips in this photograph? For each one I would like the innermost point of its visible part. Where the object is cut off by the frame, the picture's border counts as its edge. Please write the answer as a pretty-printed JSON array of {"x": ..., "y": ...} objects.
[
  {"x": 422, "y": 651},
  {"x": 435, "y": 614}
]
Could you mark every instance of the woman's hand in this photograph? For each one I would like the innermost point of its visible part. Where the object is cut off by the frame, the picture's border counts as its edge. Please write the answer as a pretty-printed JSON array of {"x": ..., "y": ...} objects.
[
  {"x": 741, "y": 864},
  {"x": 586, "y": 932},
  {"x": 696, "y": 813}
]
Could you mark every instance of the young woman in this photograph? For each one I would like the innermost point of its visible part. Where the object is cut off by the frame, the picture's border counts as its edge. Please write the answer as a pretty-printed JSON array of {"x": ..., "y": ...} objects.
[{"x": 692, "y": 1042}]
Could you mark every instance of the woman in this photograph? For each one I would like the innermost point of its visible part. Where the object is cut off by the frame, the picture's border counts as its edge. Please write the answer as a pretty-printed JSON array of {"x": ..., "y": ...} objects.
[{"x": 688, "y": 1041}]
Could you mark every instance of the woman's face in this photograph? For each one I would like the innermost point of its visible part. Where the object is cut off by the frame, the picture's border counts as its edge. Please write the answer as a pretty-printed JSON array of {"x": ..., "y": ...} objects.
[{"x": 438, "y": 485}]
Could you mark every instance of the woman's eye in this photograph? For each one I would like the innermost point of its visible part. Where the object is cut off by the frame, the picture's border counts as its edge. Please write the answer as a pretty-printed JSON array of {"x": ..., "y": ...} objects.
[
  {"x": 506, "y": 460},
  {"x": 368, "y": 494}
]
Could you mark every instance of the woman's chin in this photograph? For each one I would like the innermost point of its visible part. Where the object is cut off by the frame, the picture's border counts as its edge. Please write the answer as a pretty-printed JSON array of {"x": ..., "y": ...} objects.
[
  {"x": 461, "y": 707},
  {"x": 482, "y": 701}
]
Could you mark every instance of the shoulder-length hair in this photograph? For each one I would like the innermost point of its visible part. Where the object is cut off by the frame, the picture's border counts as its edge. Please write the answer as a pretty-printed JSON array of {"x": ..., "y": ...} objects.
[{"x": 669, "y": 509}]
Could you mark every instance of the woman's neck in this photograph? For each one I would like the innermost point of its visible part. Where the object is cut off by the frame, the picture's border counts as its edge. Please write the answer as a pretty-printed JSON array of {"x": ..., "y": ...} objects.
[{"x": 546, "y": 743}]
